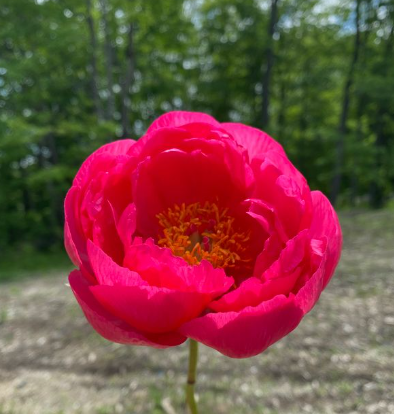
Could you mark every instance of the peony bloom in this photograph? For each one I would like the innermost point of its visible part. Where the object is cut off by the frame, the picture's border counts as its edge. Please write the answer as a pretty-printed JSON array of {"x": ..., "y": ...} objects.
[{"x": 198, "y": 230}]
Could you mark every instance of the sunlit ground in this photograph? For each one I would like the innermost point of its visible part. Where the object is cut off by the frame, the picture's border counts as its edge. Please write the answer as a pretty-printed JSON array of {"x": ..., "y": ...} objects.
[{"x": 340, "y": 359}]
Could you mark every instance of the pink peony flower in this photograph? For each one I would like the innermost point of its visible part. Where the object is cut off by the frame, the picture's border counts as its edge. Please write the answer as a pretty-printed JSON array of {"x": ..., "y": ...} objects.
[{"x": 198, "y": 230}]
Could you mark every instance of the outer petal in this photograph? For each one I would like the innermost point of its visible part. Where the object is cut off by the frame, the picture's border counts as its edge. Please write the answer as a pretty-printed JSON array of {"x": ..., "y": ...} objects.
[
  {"x": 206, "y": 138},
  {"x": 256, "y": 142},
  {"x": 283, "y": 164},
  {"x": 325, "y": 223},
  {"x": 74, "y": 238},
  {"x": 310, "y": 292},
  {"x": 113, "y": 148},
  {"x": 110, "y": 327},
  {"x": 249, "y": 332},
  {"x": 152, "y": 309},
  {"x": 109, "y": 273},
  {"x": 70, "y": 246},
  {"x": 281, "y": 193},
  {"x": 179, "y": 118}
]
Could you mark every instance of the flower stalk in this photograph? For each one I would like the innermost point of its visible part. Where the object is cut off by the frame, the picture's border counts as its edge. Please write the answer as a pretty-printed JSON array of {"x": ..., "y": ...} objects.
[{"x": 191, "y": 377}]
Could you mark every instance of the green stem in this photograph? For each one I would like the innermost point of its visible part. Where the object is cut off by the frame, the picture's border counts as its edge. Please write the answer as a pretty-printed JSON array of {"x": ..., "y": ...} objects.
[{"x": 191, "y": 377}]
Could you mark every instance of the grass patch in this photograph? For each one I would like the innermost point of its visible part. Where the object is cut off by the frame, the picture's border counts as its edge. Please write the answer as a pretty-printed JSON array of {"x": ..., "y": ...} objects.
[{"x": 15, "y": 265}]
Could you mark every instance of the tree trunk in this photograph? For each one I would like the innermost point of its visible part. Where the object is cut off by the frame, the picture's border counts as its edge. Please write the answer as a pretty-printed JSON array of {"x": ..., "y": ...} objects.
[
  {"x": 109, "y": 60},
  {"x": 342, "y": 127},
  {"x": 376, "y": 192},
  {"x": 282, "y": 109},
  {"x": 126, "y": 84},
  {"x": 269, "y": 63},
  {"x": 93, "y": 63}
]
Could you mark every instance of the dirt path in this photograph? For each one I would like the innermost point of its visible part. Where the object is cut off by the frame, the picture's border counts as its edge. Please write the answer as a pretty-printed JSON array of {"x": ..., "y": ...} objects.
[{"x": 340, "y": 359}]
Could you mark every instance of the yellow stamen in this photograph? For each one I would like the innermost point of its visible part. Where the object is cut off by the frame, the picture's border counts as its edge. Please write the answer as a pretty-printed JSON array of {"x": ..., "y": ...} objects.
[{"x": 203, "y": 232}]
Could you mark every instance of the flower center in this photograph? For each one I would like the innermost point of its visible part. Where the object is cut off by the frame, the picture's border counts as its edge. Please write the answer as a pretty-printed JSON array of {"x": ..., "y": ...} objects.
[{"x": 199, "y": 232}]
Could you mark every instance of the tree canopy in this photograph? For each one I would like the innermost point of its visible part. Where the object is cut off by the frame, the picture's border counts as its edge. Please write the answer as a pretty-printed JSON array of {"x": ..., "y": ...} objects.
[{"x": 318, "y": 76}]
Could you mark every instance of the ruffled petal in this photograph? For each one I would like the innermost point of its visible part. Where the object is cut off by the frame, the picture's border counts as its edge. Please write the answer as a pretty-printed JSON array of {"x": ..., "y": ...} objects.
[
  {"x": 313, "y": 284},
  {"x": 282, "y": 194},
  {"x": 179, "y": 118},
  {"x": 256, "y": 142},
  {"x": 175, "y": 177},
  {"x": 74, "y": 237},
  {"x": 111, "y": 327},
  {"x": 249, "y": 293},
  {"x": 160, "y": 268},
  {"x": 126, "y": 225},
  {"x": 325, "y": 224},
  {"x": 149, "y": 308},
  {"x": 109, "y": 273},
  {"x": 279, "y": 279},
  {"x": 248, "y": 332},
  {"x": 105, "y": 234},
  {"x": 113, "y": 148},
  {"x": 70, "y": 246}
]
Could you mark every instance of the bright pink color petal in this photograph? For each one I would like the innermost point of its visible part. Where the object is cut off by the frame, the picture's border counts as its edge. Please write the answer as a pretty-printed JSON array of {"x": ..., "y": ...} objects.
[
  {"x": 75, "y": 238},
  {"x": 161, "y": 269},
  {"x": 325, "y": 224},
  {"x": 70, "y": 246},
  {"x": 105, "y": 233},
  {"x": 151, "y": 309},
  {"x": 114, "y": 148},
  {"x": 290, "y": 257},
  {"x": 126, "y": 225},
  {"x": 283, "y": 164},
  {"x": 282, "y": 194},
  {"x": 204, "y": 138},
  {"x": 280, "y": 278},
  {"x": 256, "y": 142},
  {"x": 111, "y": 327},
  {"x": 109, "y": 273},
  {"x": 175, "y": 177},
  {"x": 248, "y": 332},
  {"x": 249, "y": 293},
  {"x": 312, "y": 287},
  {"x": 179, "y": 118}
]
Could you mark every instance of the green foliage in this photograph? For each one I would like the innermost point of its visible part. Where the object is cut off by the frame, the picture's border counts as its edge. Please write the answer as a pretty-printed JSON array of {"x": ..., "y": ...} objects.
[
  {"x": 207, "y": 55},
  {"x": 25, "y": 262}
]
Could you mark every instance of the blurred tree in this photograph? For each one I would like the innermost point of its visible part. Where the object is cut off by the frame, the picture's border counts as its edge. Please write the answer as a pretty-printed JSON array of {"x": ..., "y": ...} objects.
[
  {"x": 269, "y": 55},
  {"x": 75, "y": 75}
]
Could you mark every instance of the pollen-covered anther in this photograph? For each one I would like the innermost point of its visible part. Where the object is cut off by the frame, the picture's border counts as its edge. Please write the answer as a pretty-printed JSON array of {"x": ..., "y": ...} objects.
[{"x": 199, "y": 232}]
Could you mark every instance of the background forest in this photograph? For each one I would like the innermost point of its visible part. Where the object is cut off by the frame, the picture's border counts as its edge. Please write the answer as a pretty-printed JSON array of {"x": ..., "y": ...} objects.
[{"x": 74, "y": 74}]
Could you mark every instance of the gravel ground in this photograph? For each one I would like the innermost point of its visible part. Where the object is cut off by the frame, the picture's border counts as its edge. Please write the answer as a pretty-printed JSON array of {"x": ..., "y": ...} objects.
[{"x": 339, "y": 360}]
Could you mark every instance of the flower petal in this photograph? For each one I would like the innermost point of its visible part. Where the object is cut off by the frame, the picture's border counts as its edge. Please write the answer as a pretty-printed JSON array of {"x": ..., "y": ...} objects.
[
  {"x": 282, "y": 194},
  {"x": 160, "y": 268},
  {"x": 109, "y": 273},
  {"x": 110, "y": 327},
  {"x": 248, "y": 293},
  {"x": 246, "y": 333},
  {"x": 175, "y": 177},
  {"x": 256, "y": 142},
  {"x": 113, "y": 148},
  {"x": 325, "y": 223},
  {"x": 179, "y": 118},
  {"x": 149, "y": 308},
  {"x": 313, "y": 285},
  {"x": 74, "y": 238},
  {"x": 70, "y": 246},
  {"x": 126, "y": 224}
]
